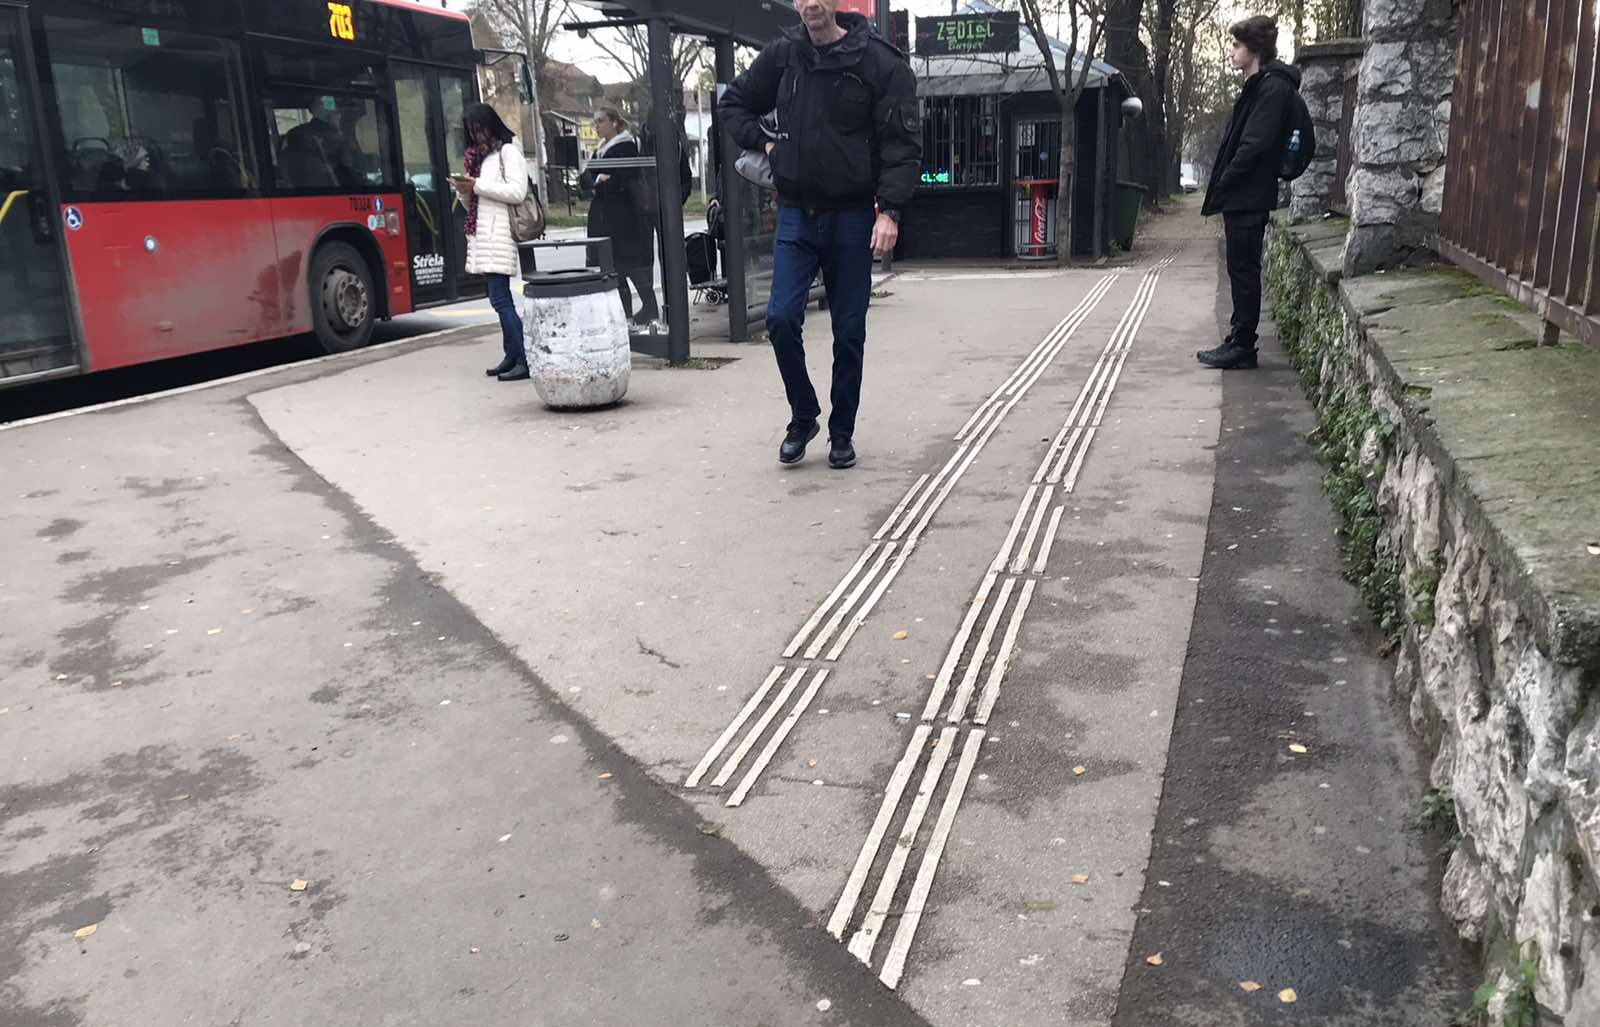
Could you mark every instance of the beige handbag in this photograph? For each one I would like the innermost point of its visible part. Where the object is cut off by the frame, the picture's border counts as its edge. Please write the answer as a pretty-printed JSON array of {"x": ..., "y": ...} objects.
[{"x": 527, "y": 217}]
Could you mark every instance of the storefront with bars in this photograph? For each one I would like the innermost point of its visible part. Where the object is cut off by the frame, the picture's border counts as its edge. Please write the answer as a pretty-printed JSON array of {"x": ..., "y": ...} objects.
[{"x": 991, "y": 139}]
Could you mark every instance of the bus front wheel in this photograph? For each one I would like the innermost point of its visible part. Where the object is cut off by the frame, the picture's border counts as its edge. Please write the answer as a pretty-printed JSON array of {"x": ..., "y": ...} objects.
[{"x": 343, "y": 303}]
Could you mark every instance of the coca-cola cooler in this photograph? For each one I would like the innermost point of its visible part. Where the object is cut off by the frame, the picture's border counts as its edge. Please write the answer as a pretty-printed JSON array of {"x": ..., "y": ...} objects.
[{"x": 1036, "y": 179}]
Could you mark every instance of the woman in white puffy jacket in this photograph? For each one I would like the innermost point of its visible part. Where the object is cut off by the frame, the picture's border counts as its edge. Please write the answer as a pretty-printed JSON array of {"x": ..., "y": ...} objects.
[{"x": 496, "y": 180}]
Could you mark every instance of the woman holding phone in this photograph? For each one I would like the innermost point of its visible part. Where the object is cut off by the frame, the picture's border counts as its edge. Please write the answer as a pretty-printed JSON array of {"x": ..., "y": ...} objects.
[{"x": 496, "y": 180}]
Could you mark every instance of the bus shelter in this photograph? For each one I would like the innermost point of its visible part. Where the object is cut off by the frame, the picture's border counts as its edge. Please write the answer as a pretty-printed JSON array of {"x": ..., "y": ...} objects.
[{"x": 748, "y": 214}]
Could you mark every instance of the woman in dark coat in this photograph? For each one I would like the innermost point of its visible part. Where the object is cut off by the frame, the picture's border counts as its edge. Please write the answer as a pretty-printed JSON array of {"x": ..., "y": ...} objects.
[{"x": 614, "y": 212}]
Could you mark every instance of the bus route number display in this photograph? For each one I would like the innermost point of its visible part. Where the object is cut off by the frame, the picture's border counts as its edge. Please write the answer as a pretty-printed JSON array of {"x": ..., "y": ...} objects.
[
  {"x": 341, "y": 21},
  {"x": 962, "y": 34}
]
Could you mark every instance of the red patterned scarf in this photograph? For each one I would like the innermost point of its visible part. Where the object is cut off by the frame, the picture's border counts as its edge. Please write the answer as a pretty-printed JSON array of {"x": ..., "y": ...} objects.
[{"x": 476, "y": 155}]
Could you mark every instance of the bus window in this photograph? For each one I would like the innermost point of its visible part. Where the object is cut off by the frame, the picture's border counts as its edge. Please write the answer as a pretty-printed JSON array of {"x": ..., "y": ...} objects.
[
  {"x": 145, "y": 114},
  {"x": 328, "y": 129}
]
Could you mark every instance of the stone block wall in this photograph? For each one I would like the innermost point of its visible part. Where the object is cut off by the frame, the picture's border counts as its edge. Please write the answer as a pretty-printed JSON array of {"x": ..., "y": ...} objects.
[
  {"x": 1326, "y": 68},
  {"x": 1400, "y": 132},
  {"x": 1458, "y": 541}
]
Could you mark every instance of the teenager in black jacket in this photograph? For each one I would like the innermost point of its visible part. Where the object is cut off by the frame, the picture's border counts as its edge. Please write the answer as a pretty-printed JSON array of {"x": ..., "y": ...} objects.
[
  {"x": 1244, "y": 180},
  {"x": 849, "y": 136}
]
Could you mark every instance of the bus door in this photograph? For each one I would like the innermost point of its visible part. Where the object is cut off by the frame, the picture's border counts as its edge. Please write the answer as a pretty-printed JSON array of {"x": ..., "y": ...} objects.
[
  {"x": 430, "y": 103},
  {"x": 35, "y": 313}
]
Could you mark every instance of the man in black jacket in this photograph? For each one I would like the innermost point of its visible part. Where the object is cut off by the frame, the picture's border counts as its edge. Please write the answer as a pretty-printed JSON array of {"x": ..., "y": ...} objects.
[
  {"x": 848, "y": 136},
  {"x": 1244, "y": 180}
]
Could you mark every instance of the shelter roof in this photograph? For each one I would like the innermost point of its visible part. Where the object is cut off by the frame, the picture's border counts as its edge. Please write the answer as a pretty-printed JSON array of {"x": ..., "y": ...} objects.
[{"x": 752, "y": 22}]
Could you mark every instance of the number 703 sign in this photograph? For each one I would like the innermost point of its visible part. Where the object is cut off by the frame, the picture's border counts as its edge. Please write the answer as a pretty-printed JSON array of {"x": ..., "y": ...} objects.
[{"x": 341, "y": 21}]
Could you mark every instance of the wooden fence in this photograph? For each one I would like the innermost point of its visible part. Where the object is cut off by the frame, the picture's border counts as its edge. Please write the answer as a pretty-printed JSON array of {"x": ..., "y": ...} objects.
[{"x": 1522, "y": 186}]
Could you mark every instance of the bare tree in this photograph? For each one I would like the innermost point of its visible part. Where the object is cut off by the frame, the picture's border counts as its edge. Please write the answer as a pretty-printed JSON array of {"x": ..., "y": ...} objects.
[
  {"x": 628, "y": 47},
  {"x": 1086, "y": 21},
  {"x": 1178, "y": 40},
  {"x": 527, "y": 27}
]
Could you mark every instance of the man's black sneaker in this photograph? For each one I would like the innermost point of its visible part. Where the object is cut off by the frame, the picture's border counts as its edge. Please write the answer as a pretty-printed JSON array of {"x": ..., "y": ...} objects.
[
  {"x": 517, "y": 373},
  {"x": 841, "y": 453},
  {"x": 793, "y": 449},
  {"x": 501, "y": 368},
  {"x": 1229, "y": 358}
]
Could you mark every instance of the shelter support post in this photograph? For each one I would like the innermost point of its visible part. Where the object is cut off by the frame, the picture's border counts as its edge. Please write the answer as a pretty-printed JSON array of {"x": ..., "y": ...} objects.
[
  {"x": 1102, "y": 188},
  {"x": 731, "y": 193},
  {"x": 674, "y": 261}
]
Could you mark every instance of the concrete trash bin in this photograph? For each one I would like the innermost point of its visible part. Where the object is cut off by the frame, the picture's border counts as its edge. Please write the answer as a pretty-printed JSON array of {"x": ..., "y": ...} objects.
[{"x": 577, "y": 337}]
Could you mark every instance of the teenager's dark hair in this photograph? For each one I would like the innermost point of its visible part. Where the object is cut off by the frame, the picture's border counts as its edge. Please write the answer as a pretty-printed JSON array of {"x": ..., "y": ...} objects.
[
  {"x": 481, "y": 115},
  {"x": 614, "y": 116},
  {"x": 1260, "y": 34}
]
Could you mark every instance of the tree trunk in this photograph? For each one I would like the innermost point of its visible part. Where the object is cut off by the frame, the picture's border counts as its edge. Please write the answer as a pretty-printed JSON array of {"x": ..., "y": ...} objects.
[
  {"x": 1161, "y": 69},
  {"x": 1127, "y": 53},
  {"x": 1067, "y": 181},
  {"x": 533, "y": 113}
]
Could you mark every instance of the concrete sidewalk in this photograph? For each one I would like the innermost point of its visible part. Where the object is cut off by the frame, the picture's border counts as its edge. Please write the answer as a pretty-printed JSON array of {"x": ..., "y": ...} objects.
[{"x": 606, "y": 718}]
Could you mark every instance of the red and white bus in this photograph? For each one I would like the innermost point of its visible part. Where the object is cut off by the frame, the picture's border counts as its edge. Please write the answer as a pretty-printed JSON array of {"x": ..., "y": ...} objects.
[{"x": 185, "y": 175}]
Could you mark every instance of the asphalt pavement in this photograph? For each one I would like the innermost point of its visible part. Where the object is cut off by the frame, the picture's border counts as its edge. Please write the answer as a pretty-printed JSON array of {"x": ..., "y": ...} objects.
[{"x": 369, "y": 690}]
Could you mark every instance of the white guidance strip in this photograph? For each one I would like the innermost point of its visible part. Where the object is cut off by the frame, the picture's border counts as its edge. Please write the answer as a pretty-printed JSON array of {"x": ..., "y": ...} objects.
[
  {"x": 1066, "y": 457},
  {"x": 1081, "y": 311},
  {"x": 869, "y": 849},
  {"x": 1002, "y": 659},
  {"x": 895, "y": 964},
  {"x": 970, "y": 680},
  {"x": 755, "y": 733},
  {"x": 1021, "y": 560},
  {"x": 866, "y": 936},
  {"x": 827, "y": 604},
  {"x": 952, "y": 658},
  {"x": 777, "y": 739},
  {"x": 822, "y": 638},
  {"x": 855, "y": 596},
  {"x": 732, "y": 729}
]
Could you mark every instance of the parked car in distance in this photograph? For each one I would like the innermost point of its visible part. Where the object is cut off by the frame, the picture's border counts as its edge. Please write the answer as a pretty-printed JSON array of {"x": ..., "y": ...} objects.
[{"x": 1186, "y": 178}]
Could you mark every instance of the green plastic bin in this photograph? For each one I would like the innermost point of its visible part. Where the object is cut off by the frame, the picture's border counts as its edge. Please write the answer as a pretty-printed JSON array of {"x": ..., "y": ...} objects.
[{"x": 1130, "y": 198}]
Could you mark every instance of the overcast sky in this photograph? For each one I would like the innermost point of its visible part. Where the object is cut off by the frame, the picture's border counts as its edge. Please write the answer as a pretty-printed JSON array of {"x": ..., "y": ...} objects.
[{"x": 568, "y": 47}]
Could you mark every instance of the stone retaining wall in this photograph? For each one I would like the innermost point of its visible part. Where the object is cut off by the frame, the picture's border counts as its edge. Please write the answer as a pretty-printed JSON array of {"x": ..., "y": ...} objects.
[
  {"x": 1461, "y": 458},
  {"x": 1326, "y": 68}
]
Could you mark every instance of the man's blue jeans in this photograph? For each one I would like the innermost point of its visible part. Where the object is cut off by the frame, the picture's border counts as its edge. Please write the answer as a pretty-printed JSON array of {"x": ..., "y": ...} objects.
[{"x": 839, "y": 244}]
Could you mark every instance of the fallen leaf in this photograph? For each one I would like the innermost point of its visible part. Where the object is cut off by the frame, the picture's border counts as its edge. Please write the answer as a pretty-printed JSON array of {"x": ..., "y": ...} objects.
[
  {"x": 811, "y": 763},
  {"x": 1080, "y": 771},
  {"x": 1154, "y": 960},
  {"x": 299, "y": 885},
  {"x": 1249, "y": 986},
  {"x": 606, "y": 776},
  {"x": 1287, "y": 996},
  {"x": 4, "y": 710},
  {"x": 901, "y": 636},
  {"x": 708, "y": 828},
  {"x": 1594, "y": 549},
  {"x": 1080, "y": 878},
  {"x": 1296, "y": 747},
  {"x": 473, "y": 950},
  {"x": 84, "y": 932},
  {"x": 594, "y": 924}
]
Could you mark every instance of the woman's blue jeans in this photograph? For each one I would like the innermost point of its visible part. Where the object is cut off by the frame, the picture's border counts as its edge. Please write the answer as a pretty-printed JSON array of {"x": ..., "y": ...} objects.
[{"x": 505, "y": 305}]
